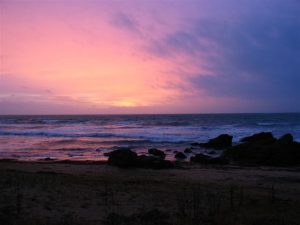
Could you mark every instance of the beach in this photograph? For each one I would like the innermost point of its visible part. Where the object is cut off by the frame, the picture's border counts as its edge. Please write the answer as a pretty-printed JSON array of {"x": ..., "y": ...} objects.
[{"x": 96, "y": 193}]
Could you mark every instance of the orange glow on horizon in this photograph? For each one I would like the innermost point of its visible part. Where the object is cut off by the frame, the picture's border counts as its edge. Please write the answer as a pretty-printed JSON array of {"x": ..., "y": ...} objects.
[{"x": 62, "y": 56}]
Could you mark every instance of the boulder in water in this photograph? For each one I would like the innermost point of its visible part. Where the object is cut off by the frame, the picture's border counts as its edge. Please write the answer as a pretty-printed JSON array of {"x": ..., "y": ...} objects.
[
  {"x": 157, "y": 153},
  {"x": 262, "y": 138},
  {"x": 200, "y": 158},
  {"x": 188, "y": 150},
  {"x": 286, "y": 139},
  {"x": 222, "y": 141},
  {"x": 266, "y": 152},
  {"x": 123, "y": 158},
  {"x": 180, "y": 155}
]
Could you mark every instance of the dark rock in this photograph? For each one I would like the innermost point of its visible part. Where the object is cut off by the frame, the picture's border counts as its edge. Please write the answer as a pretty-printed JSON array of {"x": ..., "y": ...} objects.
[
  {"x": 205, "y": 159},
  {"x": 200, "y": 158},
  {"x": 262, "y": 138},
  {"x": 123, "y": 158},
  {"x": 263, "y": 153},
  {"x": 219, "y": 161},
  {"x": 222, "y": 141},
  {"x": 188, "y": 150},
  {"x": 247, "y": 153},
  {"x": 264, "y": 149},
  {"x": 286, "y": 139},
  {"x": 156, "y": 152},
  {"x": 48, "y": 159},
  {"x": 129, "y": 159},
  {"x": 153, "y": 162},
  {"x": 180, "y": 155}
]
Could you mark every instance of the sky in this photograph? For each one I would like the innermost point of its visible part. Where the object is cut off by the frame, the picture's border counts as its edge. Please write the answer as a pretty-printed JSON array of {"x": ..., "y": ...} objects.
[{"x": 149, "y": 56}]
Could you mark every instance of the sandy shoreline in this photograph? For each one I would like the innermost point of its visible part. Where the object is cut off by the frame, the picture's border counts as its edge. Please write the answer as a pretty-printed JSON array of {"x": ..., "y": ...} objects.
[{"x": 87, "y": 193}]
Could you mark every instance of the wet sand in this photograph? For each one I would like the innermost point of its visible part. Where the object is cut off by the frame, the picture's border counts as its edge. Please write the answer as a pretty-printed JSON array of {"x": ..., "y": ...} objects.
[{"x": 96, "y": 193}]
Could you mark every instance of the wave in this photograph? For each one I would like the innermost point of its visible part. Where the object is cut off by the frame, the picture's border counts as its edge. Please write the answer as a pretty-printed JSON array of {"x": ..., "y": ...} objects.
[
  {"x": 142, "y": 137},
  {"x": 50, "y": 134},
  {"x": 137, "y": 138},
  {"x": 43, "y": 121},
  {"x": 272, "y": 124},
  {"x": 167, "y": 123},
  {"x": 74, "y": 149},
  {"x": 143, "y": 142}
]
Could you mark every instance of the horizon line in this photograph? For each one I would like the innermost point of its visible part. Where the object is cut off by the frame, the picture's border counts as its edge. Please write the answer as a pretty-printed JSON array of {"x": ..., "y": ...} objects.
[{"x": 145, "y": 114}]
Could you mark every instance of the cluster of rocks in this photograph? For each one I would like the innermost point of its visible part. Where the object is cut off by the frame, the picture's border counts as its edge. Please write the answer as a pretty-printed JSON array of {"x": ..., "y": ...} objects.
[
  {"x": 125, "y": 158},
  {"x": 220, "y": 142},
  {"x": 264, "y": 149},
  {"x": 258, "y": 149}
]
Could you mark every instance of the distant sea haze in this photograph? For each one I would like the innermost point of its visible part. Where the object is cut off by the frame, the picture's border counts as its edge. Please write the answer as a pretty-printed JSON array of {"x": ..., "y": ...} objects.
[{"x": 88, "y": 137}]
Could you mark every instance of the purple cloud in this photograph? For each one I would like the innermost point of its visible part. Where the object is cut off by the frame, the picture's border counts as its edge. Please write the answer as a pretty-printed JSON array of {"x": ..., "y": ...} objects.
[
  {"x": 255, "y": 56},
  {"x": 126, "y": 22}
]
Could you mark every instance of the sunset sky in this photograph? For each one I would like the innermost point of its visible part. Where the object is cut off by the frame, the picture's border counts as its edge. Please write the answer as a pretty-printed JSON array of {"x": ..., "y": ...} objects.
[{"x": 142, "y": 56}]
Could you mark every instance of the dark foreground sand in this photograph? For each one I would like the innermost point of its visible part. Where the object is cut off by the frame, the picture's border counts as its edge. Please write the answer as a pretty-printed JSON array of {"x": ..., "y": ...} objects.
[{"x": 68, "y": 193}]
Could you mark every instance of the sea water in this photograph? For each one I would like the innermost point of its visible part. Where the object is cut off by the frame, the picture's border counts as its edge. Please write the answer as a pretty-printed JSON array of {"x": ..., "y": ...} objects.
[{"x": 88, "y": 137}]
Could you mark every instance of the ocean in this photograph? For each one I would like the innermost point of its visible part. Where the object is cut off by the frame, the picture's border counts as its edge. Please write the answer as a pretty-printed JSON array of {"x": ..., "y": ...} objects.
[{"x": 88, "y": 137}]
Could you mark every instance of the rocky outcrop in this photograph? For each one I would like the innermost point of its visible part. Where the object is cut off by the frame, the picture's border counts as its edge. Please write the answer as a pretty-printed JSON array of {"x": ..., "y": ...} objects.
[
  {"x": 264, "y": 149},
  {"x": 157, "y": 153},
  {"x": 286, "y": 139},
  {"x": 200, "y": 158},
  {"x": 261, "y": 138},
  {"x": 222, "y": 141},
  {"x": 188, "y": 150},
  {"x": 125, "y": 158},
  {"x": 180, "y": 155}
]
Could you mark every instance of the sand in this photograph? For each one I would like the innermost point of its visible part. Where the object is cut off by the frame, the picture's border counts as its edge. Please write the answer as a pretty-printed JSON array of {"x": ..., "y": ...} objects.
[{"x": 96, "y": 193}]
